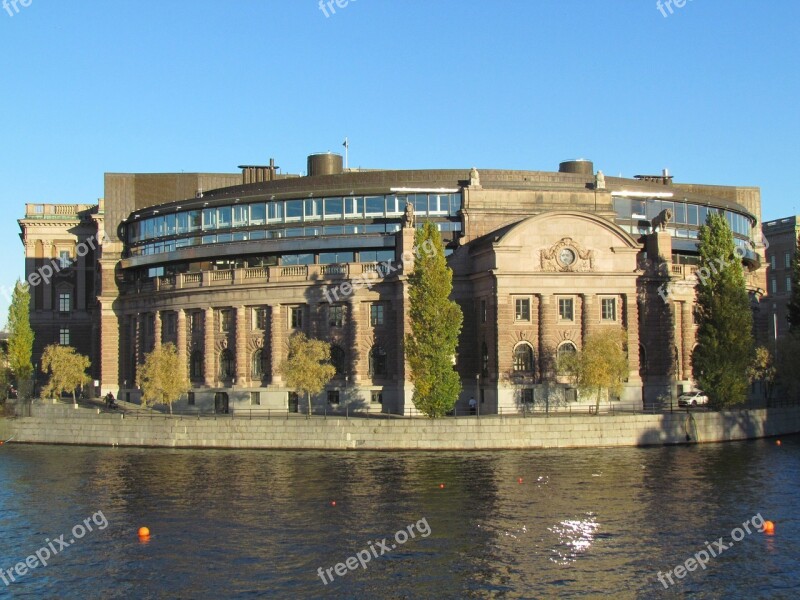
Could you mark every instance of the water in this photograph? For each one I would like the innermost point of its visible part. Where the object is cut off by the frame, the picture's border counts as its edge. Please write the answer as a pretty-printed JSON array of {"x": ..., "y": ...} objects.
[{"x": 253, "y": 524}]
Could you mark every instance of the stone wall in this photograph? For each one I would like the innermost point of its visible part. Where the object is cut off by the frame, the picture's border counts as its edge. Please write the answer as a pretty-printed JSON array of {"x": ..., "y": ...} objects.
[{"x": 63, "y": 424}]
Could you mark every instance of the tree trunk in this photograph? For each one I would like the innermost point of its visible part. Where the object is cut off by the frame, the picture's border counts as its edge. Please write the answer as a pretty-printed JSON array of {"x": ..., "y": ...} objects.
[
  {"x": 597, "y": 405},
  {"x": 308, "y": 400}
]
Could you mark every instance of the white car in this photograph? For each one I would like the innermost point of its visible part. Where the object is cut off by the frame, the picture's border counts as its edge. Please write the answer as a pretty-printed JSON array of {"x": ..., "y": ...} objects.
[{"x": 695, "y": 398}]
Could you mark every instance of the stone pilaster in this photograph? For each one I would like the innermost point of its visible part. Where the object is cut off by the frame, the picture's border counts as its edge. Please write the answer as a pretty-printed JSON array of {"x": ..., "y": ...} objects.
[
  {"x": 589, "y": 315},
  {"x": 209, "y": 364},
  {"x": 687, "y": 338},
  {"x": 241, "y": 345},
  {"x": 547, "y": 332},
  {"x": 181, "y": 340},
  {"x": 276, "y": 337},
  {"x": 632, "y": 325},
  {"x": 111, "y": 350}
]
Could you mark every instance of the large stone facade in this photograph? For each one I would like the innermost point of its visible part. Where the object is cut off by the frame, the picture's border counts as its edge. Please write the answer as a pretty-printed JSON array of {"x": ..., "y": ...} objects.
[{"x": 540, "y": 261}]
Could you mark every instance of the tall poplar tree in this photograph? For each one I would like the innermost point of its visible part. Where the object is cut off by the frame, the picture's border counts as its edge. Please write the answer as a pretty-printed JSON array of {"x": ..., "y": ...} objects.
[
  {"x": 20, "y": 338},
  {"x": 725, "y": 321},
  {"x": 435, "y": 324}
]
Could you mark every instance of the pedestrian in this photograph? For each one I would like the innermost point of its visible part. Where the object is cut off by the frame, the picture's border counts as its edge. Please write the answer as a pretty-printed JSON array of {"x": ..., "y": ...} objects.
[{"x": 472, "y": 405}]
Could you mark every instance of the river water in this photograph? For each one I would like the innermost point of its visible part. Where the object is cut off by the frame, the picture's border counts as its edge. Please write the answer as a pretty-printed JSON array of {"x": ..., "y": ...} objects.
[{"x": 581, "y": 523}]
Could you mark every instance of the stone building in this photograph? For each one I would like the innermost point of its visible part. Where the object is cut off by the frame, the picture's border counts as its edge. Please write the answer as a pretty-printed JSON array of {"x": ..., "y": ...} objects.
[
  {"x": 781, "y": 237},
  {"x": 227, "y": 267}
]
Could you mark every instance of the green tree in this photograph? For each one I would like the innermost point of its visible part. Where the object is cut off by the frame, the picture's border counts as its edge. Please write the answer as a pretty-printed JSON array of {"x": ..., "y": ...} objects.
[
  {"x": 435, "y": 325},
  {"x": 600, "y": 366},
  {"x": 308, "y": 367},
  {"x": 66, "y": 368},
  {"x": 725, "y": 321},
  {"x": 788, "y": 375},
  {"x": 794, "y": 300},
  {"x": 763, "y": 369},
  {"x": 20, "y": 338},
  {"x": 162, "y": 377},
  {"x": 4, "y": 375}
]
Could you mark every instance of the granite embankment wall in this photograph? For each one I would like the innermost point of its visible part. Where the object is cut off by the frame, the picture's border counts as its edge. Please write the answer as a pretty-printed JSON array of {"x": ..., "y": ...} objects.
[{"x": 66, "y": 425}]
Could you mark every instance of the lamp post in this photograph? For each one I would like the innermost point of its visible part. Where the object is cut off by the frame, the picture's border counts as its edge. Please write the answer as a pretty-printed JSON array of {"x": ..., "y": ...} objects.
[{"x": 478, "y": 394}]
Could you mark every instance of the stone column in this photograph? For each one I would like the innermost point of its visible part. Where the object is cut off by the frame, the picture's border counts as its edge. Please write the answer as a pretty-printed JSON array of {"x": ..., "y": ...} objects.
[
  {"x": 632, "y": 323},
  {"x": 157, "y": 329},
  {"x": 241, "y": 344},
  {"x": 181, "y": 340},
  {"x": 547, "y": 329},
  {"x": 208, "y": 354},
  {"x": 276, "y": 327},
  {"x": 687, "y": 338}
]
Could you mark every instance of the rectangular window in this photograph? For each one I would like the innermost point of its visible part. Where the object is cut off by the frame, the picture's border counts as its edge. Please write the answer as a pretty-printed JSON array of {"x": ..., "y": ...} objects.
[
  {"x": 566, "y": 309},
  {"x": 225, "y": 320},
  {"x": 608, "y": 309},
  {"x": 241, "y": 215},
  {"x": 335, "y": 316},
  {"x": 333, "y": 397},
  {"x": 376, "y": 398},
  {"x": 171, "y": 323},
  {"x": 190, "y": 399},
  {"x": 526, "y": 396},
  {"x": 788, "y": 284},
  {"x": 195, "y": 322},
  {"x": 774, "y": 285},
  {"x": 64, "y": 259},
  {"x": 772, "y": 262},
  {"x": 483, "y": 311},
  {"x": 63, "y": 336},
  {"x": 376, "y": 314},
  {"x": 258, "y": 214},
  {"x": 260, "y": 318},
  {"x": 375, "y": 206},
  {"x": 522, "y": 309},
  {"x": 255, "y": 398},
  {"x": 296, "y": 317},
  {"x": 787, "y": 260},
  {"x": 64, "y": 302},
  {"x": 333, "y": 208},
  {"x": 354, "y": 207},
  {"x": 692, "y": 211}
]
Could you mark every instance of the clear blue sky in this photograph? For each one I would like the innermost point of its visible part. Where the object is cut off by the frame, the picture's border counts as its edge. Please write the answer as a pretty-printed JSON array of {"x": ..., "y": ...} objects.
[{"x": 711, "y": 91}]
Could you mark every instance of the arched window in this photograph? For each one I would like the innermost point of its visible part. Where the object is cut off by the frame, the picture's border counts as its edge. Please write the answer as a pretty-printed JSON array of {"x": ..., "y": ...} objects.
[
  {"x": 484, "y": 360},
  {"x": 523, "y": 358},
  {"x": 338, "y": 360},
  {"x": 566, "y": 348},
  {"x": 226, "y": 364},
  {"x": 259, "y": 366},
  {"x": 377, "y": 362},
  {"x": 196, "y": 365}
]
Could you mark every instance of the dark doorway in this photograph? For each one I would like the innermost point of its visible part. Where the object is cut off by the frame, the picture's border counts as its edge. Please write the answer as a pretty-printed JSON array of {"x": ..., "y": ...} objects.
[
  {"x": 221, "y": 403},
  {"x": 294, "y": 402}
]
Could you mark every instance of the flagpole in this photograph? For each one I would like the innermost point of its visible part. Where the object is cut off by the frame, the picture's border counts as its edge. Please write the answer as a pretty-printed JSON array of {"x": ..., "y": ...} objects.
[{"x": 346, "y": 148}]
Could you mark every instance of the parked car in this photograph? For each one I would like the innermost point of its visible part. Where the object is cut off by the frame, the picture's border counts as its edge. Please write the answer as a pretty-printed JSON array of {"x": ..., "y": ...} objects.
[{"x": 695, "y": 398}]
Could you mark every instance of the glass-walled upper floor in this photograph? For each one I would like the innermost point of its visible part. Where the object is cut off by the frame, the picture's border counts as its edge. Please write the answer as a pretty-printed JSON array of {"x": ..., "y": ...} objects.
[
  {"x": 687, "y": 217},
  {"x": 311, "y": 210}
]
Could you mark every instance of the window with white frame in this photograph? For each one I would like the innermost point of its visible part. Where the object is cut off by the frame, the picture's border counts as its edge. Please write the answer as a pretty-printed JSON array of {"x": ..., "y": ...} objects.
[
  {"x": 64, "y": 302},
  {"x": 296, "y": 317},
  {"x": 376, "y": 314},
  {"x": 522, "y": 309},
  {"x": 566, "y": 309},
  {"x": 787, "y": 260},
  {"x": 608, "y": 309},
  {"x": 63, "y": 336}
]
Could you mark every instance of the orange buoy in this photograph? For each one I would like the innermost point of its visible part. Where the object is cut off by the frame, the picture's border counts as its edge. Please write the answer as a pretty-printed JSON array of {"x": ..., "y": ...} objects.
[
  {"x": 778, "y": 443},
  {"x": 769, "y": 527},
  {"x": 333, "y": 502},
  {"x": 519, "y": 480},
  {"x": 144, "y": 532},
  {"x": 441, "y": 486}
]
